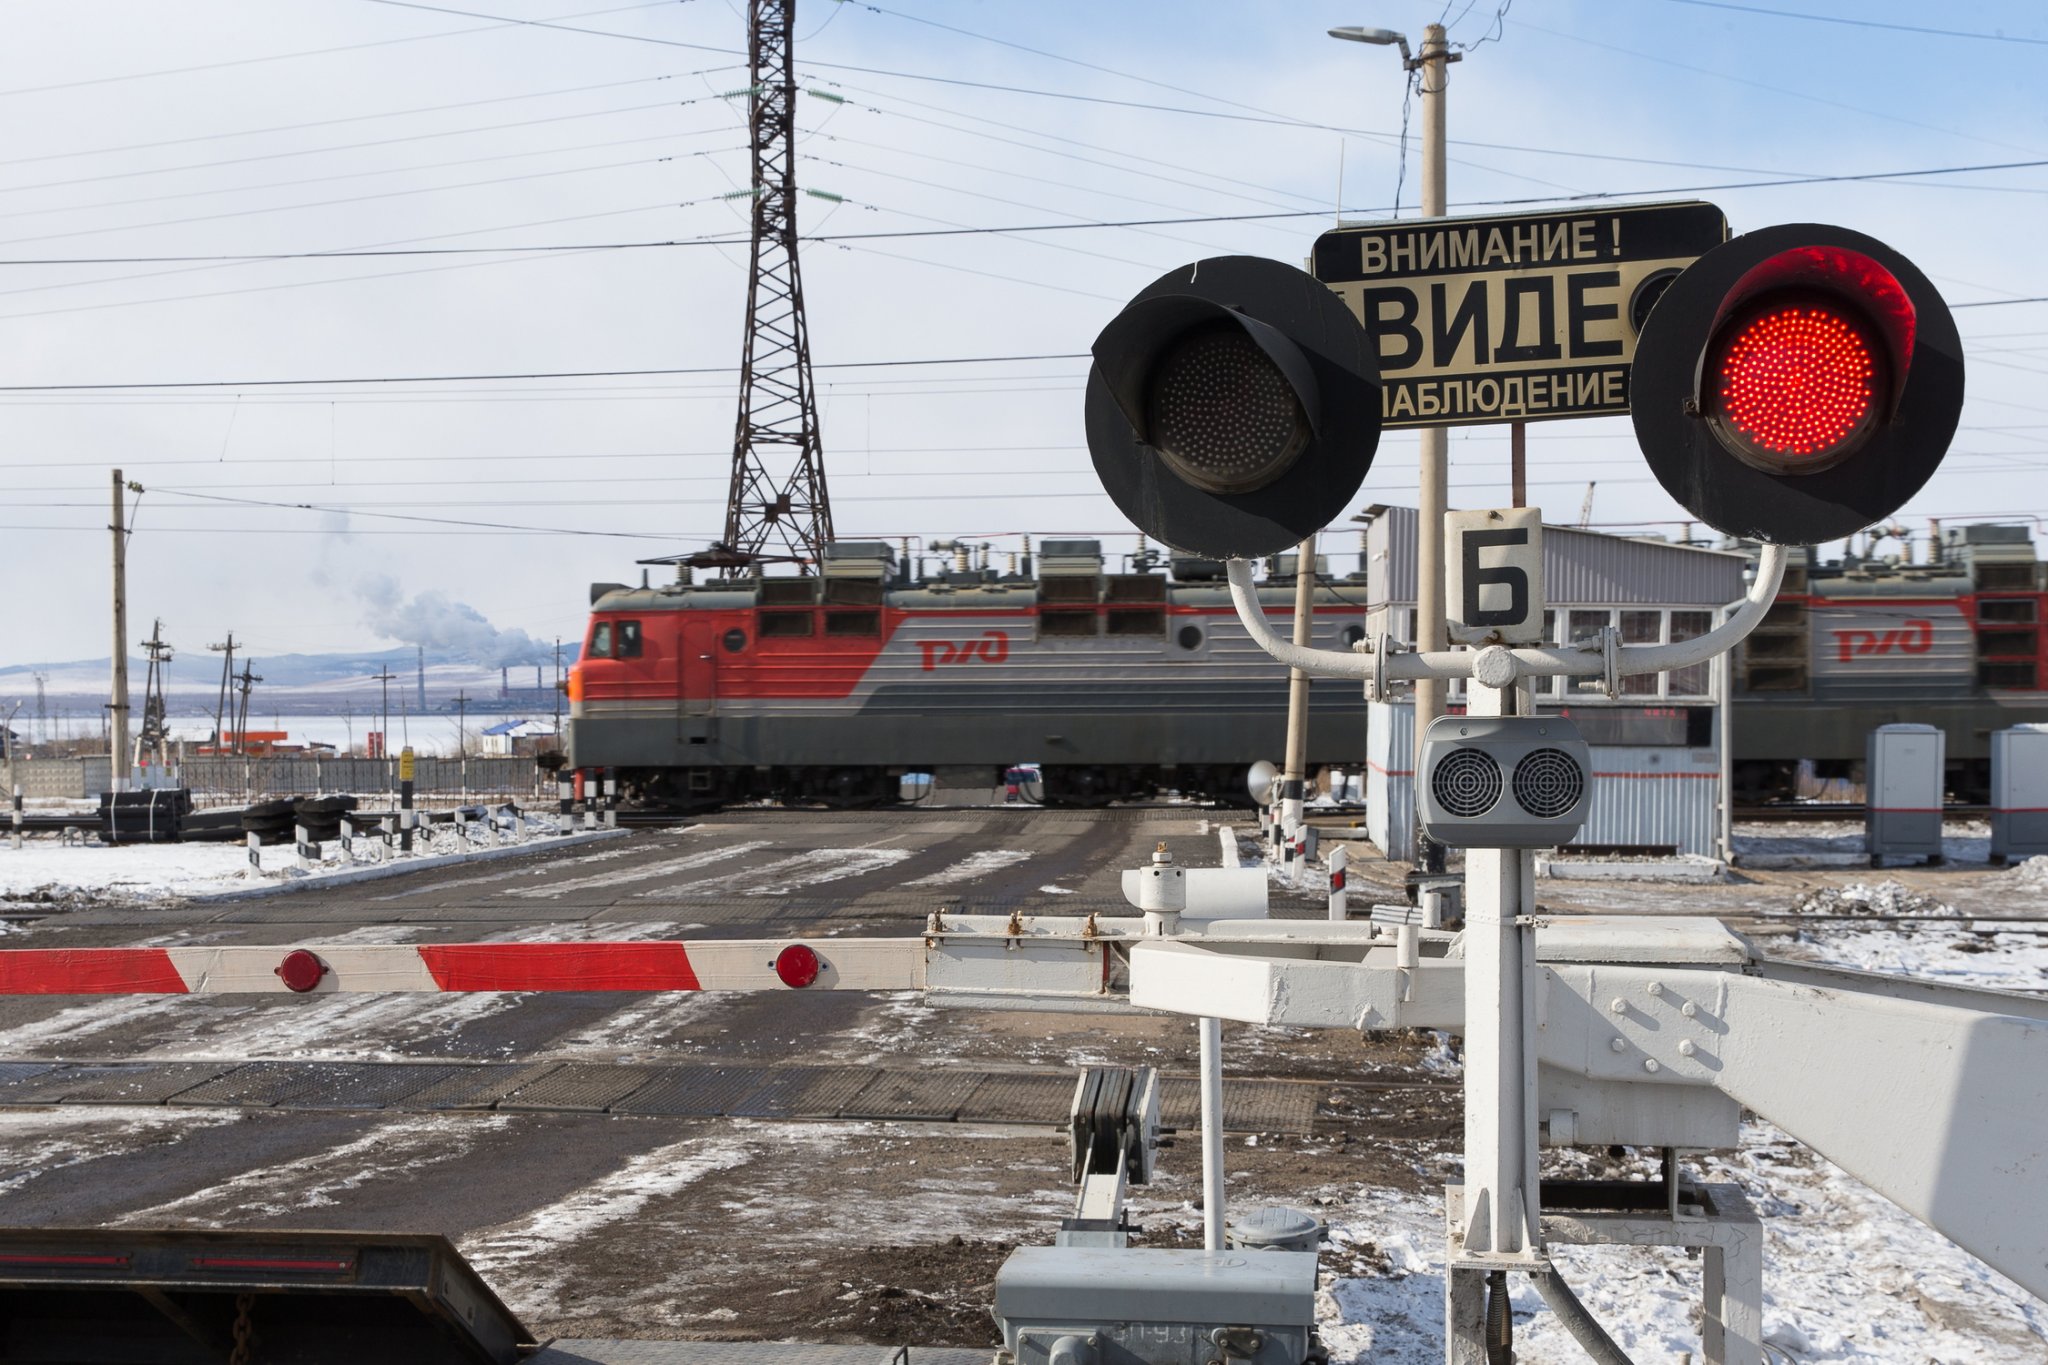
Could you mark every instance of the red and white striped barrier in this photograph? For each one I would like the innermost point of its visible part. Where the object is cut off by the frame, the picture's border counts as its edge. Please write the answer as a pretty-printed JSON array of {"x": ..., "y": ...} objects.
[{"x": 720, "y": 965}]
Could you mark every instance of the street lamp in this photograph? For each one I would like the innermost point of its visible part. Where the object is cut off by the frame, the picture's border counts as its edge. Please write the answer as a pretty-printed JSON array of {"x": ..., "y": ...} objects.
[
  {"x": 1379, "y": 37},
  {"x": 1431, "y": 634}
]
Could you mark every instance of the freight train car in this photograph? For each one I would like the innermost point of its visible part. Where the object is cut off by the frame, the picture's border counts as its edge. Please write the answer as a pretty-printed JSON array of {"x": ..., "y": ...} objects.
[
  {"x": 829, "y": 688},
  {"x": 1953, "y": 640}
]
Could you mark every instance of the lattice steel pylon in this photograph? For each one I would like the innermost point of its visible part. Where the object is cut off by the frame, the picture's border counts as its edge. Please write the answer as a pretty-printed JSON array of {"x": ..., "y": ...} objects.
[{"x": 778, "y": 504}]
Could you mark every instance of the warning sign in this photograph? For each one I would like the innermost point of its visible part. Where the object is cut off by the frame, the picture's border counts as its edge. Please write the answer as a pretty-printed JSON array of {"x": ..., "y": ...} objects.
[{"x": 1514, "y": 318}]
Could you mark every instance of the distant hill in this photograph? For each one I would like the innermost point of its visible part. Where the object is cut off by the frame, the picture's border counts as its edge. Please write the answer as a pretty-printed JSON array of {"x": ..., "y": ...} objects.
[{"x": 286, "y": 676}]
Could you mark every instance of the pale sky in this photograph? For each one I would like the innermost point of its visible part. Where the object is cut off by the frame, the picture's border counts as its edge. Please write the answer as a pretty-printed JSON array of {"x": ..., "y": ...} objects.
[{"x": 132, "y": 129}]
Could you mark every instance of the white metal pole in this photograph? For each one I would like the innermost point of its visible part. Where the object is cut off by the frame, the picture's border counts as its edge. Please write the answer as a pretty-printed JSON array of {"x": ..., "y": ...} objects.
[
  {"x": 1431, "y": 630},
  {"x": 1212, "y": 1134},
  {"x": 1500, "y": 1075},
  {"x": 1724, "y": 732},
  {"x": 1297, "y": 688}
]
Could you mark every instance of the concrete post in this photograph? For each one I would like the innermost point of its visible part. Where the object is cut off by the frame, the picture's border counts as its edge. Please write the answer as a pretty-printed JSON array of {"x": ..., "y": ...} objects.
[
  {"x": 119, "y": 760},
  {"x": 1432, "y": 632},
  {"x": 1340, "y": 907}
]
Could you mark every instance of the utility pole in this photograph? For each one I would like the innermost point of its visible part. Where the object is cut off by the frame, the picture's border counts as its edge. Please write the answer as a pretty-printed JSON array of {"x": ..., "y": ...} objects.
[
  {"x": 247, "y": 681},
  {"x": 1431, "y": 629},
  {"x": 227, "y": 676},
  {"x": 778, "y": 411},
  {"x": 384, "y": 675},
  {"x": 461, "y": 716},
  {"x": 558, "y": 692},
  {"x": 118, "y": 757}
]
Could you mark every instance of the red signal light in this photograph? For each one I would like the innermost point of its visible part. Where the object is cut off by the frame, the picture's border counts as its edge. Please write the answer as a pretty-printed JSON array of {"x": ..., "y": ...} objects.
[
  {"x": 797, "y": 966},
  {"x": 301, "y": 970},
  {"x": 1795, "y": 386}
]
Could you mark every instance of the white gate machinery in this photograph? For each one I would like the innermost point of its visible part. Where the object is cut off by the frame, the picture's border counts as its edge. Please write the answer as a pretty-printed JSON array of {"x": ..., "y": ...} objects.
[{"x": 1233, "y": 410}]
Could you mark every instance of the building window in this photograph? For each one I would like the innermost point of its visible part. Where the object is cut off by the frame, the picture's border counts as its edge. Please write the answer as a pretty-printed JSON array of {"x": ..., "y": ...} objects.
[
  {"x": 1694, "y": 680},
  {"x": 1642, "y": 628}
]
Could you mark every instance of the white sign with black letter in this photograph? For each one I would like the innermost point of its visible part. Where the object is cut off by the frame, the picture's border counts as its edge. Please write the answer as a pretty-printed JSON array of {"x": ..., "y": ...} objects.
[{"x": 1493, "y": 582}]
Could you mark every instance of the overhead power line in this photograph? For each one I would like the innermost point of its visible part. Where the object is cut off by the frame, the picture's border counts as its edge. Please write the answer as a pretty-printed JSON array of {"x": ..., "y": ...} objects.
[
  {"x": 997, "y": 230},
  {"x": 1862, "y": 23},
  {"x": 496, "y": 21},
  {"x": 539, "y": 374}
]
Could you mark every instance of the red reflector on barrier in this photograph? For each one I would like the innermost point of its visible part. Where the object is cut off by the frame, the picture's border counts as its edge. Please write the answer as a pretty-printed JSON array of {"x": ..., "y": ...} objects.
[
  {"x": 301, "y": 971},
  {"x": 1336, "y": 882},
  {"x": 106, "y": 1262},
  {"x": 290, "y": 1265},
  {"x": 797, "y": 966}
]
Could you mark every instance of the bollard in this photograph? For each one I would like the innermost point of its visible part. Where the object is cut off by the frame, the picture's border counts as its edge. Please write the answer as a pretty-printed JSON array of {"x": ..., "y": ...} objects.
[
  {"x": 348, "y": 840},
  {"x": 406, "y": 820},
  {"x": 256, "y": 854},
  {"x": 16, "y": 839},
  {"x": 1340, "y": 908},
  {"x": 565, "y": 812},
  {"x": 611, "y": 798},
  {"x": 308, "y": 851}
]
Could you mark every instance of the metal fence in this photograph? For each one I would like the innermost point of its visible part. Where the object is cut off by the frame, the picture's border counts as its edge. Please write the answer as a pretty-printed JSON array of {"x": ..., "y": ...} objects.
[{"x": 225, "y": 779}]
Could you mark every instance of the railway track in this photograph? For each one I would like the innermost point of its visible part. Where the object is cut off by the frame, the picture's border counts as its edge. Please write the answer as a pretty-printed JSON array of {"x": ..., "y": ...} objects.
[{"x": 1818, "y": 811}]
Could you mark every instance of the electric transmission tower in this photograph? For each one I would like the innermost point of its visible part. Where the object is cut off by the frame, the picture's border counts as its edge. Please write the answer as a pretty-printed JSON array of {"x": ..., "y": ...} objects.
[{"x": 777, "y": 507}]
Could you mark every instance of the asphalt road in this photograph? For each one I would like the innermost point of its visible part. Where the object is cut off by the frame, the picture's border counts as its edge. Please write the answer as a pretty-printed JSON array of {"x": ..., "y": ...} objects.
[{"x": 594, "y": 1219}]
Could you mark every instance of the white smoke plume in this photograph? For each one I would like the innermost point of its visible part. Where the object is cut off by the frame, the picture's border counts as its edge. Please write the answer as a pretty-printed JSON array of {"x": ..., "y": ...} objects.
[{"x": 444, "y": 627}]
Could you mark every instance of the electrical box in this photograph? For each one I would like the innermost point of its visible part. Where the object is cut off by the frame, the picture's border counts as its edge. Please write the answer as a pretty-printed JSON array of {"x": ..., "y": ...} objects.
[
  {"x": 1504, "y": 781},
  {"x": 1078, "y": 1305},
  {"x": 2019, "y": 792},
  {"x": 1903, "y": 779}
]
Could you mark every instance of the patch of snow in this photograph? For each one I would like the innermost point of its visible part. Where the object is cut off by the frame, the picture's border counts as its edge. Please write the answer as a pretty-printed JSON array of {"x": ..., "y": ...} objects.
[
  {"x": 396, "y": 1149},
  {"x": 522, "y": 1259},
  {"x": 1055, "y": 891},
  {"x": 639, "y": 873},
  {"x": 972, "y": 866}
]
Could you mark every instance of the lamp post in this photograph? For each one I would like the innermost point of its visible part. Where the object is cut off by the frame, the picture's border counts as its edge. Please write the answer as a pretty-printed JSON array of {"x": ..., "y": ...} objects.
[{"x": 1431, "y": 632}]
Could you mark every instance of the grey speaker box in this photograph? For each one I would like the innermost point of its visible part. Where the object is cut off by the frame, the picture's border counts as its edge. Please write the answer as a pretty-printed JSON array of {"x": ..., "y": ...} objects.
[{"x": 1503, "y": 781}]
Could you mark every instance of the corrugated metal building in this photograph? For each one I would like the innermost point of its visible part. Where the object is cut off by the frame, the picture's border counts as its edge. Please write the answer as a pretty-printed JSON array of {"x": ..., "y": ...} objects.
[{"x": 1656, "y": 751}]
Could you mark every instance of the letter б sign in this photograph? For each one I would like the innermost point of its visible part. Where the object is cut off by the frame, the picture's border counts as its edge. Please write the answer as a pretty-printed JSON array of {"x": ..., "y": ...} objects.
[{"x": 1511, "y": 318}]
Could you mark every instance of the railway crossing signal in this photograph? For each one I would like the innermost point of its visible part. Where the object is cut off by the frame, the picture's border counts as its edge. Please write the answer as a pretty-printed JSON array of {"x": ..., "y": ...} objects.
[
  {"x": 1233, "y": 407},
  {"x": 1797, "y": 384}
]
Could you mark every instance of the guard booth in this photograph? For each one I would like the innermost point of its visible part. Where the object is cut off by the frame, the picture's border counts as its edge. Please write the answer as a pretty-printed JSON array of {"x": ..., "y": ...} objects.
[
  {"x": 1903, "y": 789},
  {"x": 1656, "y": 747},
  {"x": 2019, "y": 792}
]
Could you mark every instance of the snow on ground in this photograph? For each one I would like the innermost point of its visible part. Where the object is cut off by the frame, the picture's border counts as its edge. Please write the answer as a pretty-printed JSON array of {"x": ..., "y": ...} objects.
[
  {"x": 1847, "y": 1278},
  {"x": 47, "y": 871},
  {"x": 37, "y": 1142},
  {"x": 519, "y": 1259},
  {"x": 639, "y": 872},
  {"x": 323, "y": 1179},
  {"x": 971, "y": 867}
]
